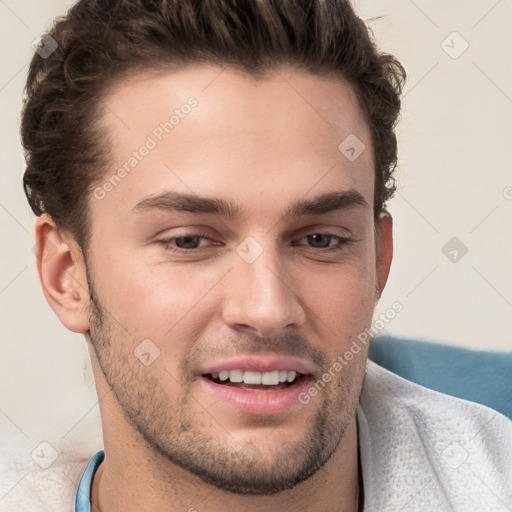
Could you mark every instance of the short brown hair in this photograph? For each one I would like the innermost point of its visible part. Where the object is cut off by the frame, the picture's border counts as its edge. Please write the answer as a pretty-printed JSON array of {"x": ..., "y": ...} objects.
[{"x": 98, "y": 42}]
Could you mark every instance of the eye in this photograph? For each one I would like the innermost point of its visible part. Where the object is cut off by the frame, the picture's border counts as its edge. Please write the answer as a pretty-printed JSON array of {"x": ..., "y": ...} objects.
[
  {"x": 324, "y": 241},
  {"x": 185, "y": 243}
]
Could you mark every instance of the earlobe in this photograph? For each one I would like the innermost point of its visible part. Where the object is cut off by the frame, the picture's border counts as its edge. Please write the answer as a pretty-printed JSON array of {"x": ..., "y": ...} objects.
[
  {"x": 61, "y": 270},
  {"x": 384, "y": 250}
]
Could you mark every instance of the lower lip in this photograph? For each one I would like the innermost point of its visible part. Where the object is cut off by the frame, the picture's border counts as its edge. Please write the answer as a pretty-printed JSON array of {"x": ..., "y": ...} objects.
[{"x": 257, "y": 401}]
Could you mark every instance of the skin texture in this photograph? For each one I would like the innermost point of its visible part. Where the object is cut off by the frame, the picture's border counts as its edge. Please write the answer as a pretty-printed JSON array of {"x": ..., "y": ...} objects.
[{"x": 263, "y": 145}]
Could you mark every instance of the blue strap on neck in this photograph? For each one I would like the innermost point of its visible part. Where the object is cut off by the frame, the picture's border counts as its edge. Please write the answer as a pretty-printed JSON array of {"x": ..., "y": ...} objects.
[{"x": 83, "y": 494}]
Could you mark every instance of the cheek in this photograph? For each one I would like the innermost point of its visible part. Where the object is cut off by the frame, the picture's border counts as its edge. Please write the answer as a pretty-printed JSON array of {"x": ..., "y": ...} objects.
[
  {"x": 159, "y": 301},
  {"x": 342, "y": 298}
]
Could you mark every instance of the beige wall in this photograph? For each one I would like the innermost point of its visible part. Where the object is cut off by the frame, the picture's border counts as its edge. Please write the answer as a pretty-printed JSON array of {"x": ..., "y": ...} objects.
[
  {"x": 454, "y": 170},
  {"x": 455, "y": 175}
]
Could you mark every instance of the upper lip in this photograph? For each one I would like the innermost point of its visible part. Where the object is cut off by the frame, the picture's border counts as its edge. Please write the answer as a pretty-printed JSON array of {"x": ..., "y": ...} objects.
[{"x": 267, "y": 363}]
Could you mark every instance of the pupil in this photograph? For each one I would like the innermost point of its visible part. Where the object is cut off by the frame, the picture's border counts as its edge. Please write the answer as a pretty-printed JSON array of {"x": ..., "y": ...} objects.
[
  {"x": 319, "y": 240},
  {"x": 187, "y": 242}
]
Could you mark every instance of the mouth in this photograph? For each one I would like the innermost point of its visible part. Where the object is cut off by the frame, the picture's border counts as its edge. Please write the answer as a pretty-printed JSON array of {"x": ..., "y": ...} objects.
[
  {"x": 264, "y": 385},
  {"x": 256, "y": 381}
]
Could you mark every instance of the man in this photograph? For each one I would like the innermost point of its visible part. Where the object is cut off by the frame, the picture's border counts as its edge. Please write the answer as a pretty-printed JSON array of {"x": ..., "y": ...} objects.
[{"x": 210, "y": 181}]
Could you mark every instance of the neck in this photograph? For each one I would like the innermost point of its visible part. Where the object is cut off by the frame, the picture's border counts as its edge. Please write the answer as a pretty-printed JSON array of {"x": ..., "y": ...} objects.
[{"x": 132, "y": 479}]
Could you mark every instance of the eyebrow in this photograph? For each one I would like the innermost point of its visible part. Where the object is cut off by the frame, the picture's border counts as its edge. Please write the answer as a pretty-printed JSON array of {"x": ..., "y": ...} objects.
[{"x": 322, "y": 204}]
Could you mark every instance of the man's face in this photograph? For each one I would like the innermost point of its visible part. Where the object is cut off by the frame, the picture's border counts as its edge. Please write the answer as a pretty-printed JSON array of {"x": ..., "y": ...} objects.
[{"x": 282, "y": 281}]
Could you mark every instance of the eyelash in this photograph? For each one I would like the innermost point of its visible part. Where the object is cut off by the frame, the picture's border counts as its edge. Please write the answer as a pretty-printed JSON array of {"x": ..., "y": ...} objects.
[{"x": 342, "y": 242}]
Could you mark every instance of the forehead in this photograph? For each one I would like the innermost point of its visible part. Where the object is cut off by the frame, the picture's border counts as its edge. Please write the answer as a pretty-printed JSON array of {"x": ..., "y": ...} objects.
[{"x": 218, "y": 132}]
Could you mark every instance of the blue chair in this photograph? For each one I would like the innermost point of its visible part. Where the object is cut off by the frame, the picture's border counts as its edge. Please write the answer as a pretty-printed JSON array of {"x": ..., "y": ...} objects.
[{"x": 480, "y": 376}]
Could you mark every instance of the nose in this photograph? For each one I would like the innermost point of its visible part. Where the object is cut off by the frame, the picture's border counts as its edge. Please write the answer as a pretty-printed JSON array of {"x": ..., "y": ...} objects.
[{"x": 261, "y": 298}]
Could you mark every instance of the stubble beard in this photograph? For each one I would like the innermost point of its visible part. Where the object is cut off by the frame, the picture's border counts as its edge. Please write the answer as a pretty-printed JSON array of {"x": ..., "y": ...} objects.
[{"x": 178, "y": 430}]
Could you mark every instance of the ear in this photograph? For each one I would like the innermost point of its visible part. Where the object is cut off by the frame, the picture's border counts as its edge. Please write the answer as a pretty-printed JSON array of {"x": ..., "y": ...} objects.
[
  {"x": 61, "y": 270},
  {"x": 384, "y": 250}
]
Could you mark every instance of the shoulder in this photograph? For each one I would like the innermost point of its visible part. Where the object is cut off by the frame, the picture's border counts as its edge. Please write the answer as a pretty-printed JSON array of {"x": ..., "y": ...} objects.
[
  {"x": 26, "y": 487},
  {"x": 422, "y": 449}
]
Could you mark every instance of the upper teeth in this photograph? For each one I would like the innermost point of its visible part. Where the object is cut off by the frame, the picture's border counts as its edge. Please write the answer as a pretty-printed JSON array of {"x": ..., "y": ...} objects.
[{"x": 250, "y": 377}]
